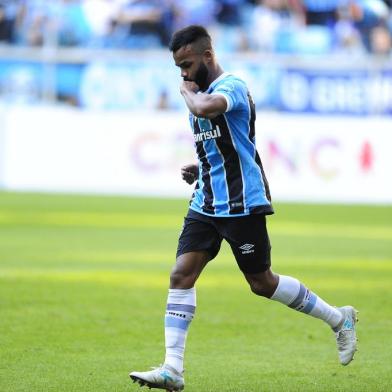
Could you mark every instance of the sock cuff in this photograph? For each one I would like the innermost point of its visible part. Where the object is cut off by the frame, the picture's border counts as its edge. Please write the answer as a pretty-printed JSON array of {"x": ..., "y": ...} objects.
[
  {"x": 182, "y": 296},
  {"x": 287, "y": 290}
]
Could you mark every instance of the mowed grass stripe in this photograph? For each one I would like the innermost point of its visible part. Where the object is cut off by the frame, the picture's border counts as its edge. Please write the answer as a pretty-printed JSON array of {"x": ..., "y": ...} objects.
[
  {"x": 89, "y": 219},
  {"x": 160, "y": 279},
  {"x": 152, "y": 258},
  {"x": 170, "y": 221}
]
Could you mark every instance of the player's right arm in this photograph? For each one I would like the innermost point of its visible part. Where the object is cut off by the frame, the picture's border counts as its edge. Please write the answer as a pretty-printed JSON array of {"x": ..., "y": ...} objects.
[{"x": 201, "y": 104}]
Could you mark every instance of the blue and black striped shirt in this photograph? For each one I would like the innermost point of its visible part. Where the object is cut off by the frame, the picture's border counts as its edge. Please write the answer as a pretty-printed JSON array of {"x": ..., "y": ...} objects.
[{"x": 231, "y": 178}]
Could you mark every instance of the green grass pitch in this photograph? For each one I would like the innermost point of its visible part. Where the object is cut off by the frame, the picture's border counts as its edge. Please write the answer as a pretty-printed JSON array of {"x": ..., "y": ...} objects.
[{"x": 83, "y": 283}]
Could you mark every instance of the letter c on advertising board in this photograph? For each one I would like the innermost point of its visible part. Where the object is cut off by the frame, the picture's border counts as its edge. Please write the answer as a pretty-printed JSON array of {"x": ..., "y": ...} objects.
[
  {"x": 154, "y": 152},
  {"x": 320, "y": 158},
  {"x": 143, "y": 152}
]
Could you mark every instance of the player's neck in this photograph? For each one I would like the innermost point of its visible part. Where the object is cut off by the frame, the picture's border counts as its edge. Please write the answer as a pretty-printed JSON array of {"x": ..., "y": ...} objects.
[{"x": 215, "y": 73}]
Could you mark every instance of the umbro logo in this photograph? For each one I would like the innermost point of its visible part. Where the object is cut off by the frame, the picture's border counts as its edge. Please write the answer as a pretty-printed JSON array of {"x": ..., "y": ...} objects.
[{"x": 247, "y": 248}]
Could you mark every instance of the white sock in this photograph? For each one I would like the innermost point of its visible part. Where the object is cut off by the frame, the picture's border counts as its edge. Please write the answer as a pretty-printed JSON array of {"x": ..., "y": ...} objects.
[
  {"x": 295, "y": 295},
  {"x": 181, "y": 305}
]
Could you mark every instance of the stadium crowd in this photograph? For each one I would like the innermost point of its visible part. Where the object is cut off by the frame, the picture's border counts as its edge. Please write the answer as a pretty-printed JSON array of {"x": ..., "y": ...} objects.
[{"x": 279, "y": 26}]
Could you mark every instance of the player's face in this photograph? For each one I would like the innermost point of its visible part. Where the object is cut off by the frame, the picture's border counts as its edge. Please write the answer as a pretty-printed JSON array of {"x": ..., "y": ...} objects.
[{"x": 192, "y": 65}]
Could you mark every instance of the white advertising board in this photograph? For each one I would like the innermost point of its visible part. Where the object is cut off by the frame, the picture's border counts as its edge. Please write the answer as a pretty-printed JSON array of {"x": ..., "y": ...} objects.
[
  {"x": 306, "y": 158},
  {"x": 328, "y": 159},
  {"x": 75, "y": 151}
]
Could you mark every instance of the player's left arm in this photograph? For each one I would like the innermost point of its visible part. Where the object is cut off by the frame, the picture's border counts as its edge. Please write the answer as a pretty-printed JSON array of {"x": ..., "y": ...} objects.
[{"x": 202, "y": 104}]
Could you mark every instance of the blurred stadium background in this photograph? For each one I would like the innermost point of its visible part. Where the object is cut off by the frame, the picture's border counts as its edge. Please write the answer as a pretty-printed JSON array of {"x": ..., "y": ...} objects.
[
  {"x": 91, "y": 121},
  {"x": 90, "y": 103}
]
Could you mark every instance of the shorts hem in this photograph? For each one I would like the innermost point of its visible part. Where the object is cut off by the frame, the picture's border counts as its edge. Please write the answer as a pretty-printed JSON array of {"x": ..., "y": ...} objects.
[
  {"x": 261, "y": 268},
  {"x": 188, "y": 250}
]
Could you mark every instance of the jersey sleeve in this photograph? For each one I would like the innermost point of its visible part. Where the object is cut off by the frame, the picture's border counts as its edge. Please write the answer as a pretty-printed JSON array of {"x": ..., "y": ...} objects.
[{"x": 233, "y": 91}]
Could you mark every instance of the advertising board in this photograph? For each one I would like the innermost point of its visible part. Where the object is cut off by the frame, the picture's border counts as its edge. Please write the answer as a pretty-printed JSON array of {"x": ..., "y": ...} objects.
[{"x": 306, "y": 158}]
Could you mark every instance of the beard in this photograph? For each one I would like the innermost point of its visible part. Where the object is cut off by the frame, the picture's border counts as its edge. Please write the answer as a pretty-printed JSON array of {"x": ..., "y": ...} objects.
[{"x": 201, "y": 77}]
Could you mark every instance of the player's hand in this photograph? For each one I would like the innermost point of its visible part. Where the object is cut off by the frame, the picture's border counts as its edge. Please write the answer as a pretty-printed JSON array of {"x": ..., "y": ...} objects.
[
  {"x": 187, "y": 85},
  {"x": 190, "y": 173}
]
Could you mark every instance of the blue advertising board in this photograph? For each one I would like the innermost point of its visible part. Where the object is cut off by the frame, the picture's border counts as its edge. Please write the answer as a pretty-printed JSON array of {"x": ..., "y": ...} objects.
[
  {"x": 354, "y": 92},
  {"x": 148, "y": 84}
]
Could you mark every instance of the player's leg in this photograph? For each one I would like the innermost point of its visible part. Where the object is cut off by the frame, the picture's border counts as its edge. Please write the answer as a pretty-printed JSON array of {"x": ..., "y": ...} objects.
[
  {"x": 198, "y": 244},
  {"x": 187, "y": 269},
  {"x": 181, "y": 304},
  {"x": 291, "y": 292},
  {"x": 254, "y": 259}
]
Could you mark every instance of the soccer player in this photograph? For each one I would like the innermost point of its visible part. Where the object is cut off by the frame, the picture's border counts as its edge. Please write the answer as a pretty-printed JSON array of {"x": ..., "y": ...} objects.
[{"x": 230, "y": 201}]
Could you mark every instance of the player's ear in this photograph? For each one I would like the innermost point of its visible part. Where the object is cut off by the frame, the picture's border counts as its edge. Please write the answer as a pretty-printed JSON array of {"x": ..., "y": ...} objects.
[{"x": 208, "y": 55}]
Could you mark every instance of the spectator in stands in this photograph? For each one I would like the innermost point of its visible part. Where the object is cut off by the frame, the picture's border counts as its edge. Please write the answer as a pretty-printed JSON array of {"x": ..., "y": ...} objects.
[
  {"x": 272, "y": 26},
  {"x": 231, "y": 20},
  {"x": 147, "y": 23},
  {"x": 380, "y": 41},
  {"x": 346, "y": 36},
  {"x": 228, "y": 12},
  {"x": 368, "y": 15},
  {"x": 37, "y": 23},
  {"x": 201, "y": 12},
  {"x": 288, "y": 26},
  {"x": 321, "y": 12},
  {"x": 72, "y": 25},
  {"x": 6, "y": 26},
  {"x": 9, "y": 11},
  {"x": 100, "y": 17}
]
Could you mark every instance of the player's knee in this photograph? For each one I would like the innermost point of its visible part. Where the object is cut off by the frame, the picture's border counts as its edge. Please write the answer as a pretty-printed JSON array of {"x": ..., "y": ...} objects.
[
  {"x": 176, "y": 278},
  {"x": 263, "y": 284},
  {"x": 180, "y": 279},
  {"x": 260, "y": 289}
]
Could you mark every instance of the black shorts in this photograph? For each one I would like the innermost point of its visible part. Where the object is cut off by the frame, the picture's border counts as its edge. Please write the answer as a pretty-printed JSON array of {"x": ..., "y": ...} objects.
[{"x": 246, "y": 235}]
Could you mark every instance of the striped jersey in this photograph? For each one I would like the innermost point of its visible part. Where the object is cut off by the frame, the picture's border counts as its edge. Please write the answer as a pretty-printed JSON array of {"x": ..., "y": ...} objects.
[{"x": 231, "y": 178}]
